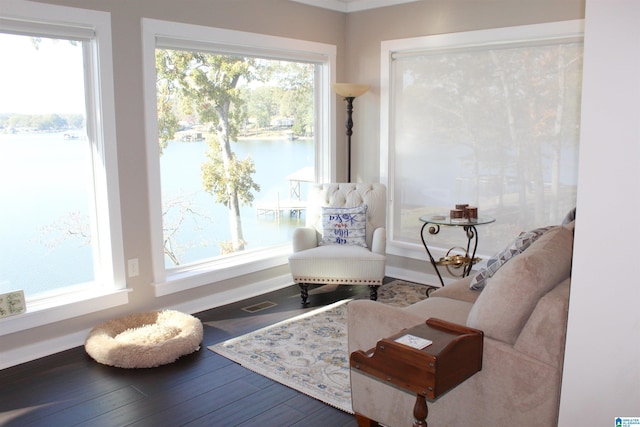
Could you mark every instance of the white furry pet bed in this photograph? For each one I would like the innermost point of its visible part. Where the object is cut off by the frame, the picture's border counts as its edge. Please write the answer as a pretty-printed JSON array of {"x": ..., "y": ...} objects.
[{"x": 144, "y": 340}]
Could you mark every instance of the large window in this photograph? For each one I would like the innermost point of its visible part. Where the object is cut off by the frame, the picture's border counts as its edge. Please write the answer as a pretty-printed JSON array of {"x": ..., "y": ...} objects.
[
  {"x": 489, "y": 118},
  {"x": 59, "y": 218},
  {"x": 237, "y": 134}
]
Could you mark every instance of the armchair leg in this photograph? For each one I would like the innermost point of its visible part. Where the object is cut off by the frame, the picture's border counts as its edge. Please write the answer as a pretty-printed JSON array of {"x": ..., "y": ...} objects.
[
  {"x": 373, "y": 292},
  {"x": 304, "y": 292}
]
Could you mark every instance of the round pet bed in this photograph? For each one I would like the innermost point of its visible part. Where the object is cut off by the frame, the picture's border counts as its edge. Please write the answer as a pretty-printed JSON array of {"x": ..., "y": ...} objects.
[{"x": 144, "y": 340}]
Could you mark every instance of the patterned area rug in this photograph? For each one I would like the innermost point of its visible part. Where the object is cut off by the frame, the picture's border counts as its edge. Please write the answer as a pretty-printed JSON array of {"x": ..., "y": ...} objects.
[{"x": 309, "y": 352}]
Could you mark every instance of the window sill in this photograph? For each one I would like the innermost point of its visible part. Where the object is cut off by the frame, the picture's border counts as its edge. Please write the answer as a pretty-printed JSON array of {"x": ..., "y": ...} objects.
[
  {"x": 208, "y": 273},
  {"x": 52, "y": 310}
]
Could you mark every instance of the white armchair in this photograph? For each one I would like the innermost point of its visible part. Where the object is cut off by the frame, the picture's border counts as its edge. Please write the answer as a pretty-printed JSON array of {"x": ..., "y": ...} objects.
[{"x": 315, "y": 261}]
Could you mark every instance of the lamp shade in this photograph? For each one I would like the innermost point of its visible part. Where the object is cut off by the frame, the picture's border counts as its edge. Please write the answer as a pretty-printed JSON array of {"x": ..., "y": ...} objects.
[{"x": 349, "y": 90}]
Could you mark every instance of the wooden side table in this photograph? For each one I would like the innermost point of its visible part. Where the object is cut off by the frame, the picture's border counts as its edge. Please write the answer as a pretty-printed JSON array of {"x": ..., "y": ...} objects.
[{"x": 454, "y": 355}]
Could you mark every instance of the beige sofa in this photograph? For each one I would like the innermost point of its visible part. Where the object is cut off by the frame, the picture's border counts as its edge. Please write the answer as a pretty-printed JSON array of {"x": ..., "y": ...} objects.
[{"x": 523, "y": 313}]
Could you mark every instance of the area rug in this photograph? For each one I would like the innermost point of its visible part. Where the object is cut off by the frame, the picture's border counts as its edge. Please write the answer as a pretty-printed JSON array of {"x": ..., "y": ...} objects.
[{"x": 309, "y": 352}]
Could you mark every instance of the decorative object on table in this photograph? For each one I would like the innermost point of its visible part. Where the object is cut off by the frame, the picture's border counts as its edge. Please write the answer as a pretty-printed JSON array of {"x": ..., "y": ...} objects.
[
  {"x": 462, "y": 206},
  {"x": 349, "y": 91},
  {"x": 314, "y": 261},
  {"x": 471, "y": 212},
  {"x": 12, "y": 303},
  {"x": 145, "y": 340},
  {"x": 455, "y": 259},
  {"x": 309, "y": 352},
  {"x": 456, "y": 214}
]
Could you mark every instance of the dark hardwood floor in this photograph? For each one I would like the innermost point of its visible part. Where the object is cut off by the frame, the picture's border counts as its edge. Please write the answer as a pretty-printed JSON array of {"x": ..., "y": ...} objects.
[{"x": 201, "y": 389}]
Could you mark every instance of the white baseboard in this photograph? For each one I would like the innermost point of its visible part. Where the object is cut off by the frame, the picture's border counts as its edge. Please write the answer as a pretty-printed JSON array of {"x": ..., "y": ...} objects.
[
  {"x": 16, "y": 356},
  {"x": 416, "y": 276},
  {"x": 219, "y": 299}
]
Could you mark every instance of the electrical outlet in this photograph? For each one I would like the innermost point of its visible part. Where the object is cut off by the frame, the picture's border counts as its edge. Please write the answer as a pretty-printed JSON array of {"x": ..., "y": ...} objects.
[{"x": 133, "y": 267}]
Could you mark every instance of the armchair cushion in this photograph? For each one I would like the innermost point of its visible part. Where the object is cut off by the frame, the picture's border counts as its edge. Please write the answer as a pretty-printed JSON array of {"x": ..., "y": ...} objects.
[
  {"x": 344, "y": 226},
  {"x": 337, "y": 264}
]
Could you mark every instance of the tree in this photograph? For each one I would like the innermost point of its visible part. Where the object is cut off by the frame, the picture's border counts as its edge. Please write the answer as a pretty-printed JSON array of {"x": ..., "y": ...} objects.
[
  {"x": 207, "y": 85},
  {"x": 296, "y": 82},
  {"x": 263, "y": 104}
]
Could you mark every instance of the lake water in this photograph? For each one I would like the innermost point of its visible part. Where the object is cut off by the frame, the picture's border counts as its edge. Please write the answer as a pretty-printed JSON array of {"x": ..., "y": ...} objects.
[
  {"x": 200, "y": 237},
  {"x": 37, "y": 253}
]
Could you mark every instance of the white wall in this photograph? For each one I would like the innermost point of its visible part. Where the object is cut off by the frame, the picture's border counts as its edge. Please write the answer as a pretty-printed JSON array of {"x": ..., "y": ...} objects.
[{"x": 602, "y": 360}]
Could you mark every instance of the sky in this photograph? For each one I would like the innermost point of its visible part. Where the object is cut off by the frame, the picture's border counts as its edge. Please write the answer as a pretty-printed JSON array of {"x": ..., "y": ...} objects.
[{"x": 40, "y": 81}]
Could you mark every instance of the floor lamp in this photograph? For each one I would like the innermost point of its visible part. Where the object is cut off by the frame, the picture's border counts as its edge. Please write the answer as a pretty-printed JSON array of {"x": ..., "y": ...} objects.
[{"x": 349, "y": 91}]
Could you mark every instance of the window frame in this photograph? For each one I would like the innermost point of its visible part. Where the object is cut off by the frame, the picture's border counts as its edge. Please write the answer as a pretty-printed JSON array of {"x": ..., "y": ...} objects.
[
  {"x": 109, "y": 288},
  {"x": 166, "y": 34},
  {"x": 389, "y": 48}
]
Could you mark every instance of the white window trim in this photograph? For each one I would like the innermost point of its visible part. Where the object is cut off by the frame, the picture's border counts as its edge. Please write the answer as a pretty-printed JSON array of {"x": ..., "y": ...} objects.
[
  {"x": 391, "y": 48},
  {"x": 183, "y": 35},
  {"x": 111, "y": 291}
]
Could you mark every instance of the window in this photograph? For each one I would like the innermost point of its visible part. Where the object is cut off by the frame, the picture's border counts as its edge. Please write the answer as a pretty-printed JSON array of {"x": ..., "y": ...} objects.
[
  {"x": 489, "y": 118},
  {"x": 235, "y": 133},
  {"x": 61, "y": 233}
]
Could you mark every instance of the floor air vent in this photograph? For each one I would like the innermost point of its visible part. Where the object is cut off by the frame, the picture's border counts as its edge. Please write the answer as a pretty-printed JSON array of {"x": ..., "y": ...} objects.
[{"x": 259, "y": 306}]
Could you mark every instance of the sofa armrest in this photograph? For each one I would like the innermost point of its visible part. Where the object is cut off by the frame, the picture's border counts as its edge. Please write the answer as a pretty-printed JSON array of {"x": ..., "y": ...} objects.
[
  {"x": 379, "y": 241},
  {"x": 370, "y": 321},
  {"x": 304, "y": 238}
]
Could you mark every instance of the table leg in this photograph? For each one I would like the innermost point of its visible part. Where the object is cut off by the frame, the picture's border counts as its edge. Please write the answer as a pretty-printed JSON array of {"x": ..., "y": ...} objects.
[
  {"x": 472, "y": 235},
  {"x": 420, "y": 411},
  {"x": 434, "y": 229}
]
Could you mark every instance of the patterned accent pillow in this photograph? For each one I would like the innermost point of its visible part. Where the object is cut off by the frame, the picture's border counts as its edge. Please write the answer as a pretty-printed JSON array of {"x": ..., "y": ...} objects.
[
  {"x": 344, "y": 226},
  {"x": 522, "y": 242}
]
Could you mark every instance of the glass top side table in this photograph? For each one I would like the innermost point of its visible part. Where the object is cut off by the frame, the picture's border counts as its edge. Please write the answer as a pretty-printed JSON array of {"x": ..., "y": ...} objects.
[{"x": 432, "y": 224}]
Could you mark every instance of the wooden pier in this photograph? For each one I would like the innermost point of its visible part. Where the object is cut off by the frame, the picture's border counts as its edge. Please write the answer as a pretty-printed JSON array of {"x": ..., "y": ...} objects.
[
  {"x": 294, "y": 206},
  {"x": 277, "y": 208}
]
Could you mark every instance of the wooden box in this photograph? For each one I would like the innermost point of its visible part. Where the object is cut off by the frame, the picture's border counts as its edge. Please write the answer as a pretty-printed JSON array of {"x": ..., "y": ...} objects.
[{"x": 454, "y": 355}]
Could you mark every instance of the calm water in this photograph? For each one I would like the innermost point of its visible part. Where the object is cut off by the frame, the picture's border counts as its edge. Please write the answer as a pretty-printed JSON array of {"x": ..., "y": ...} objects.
[
  {"x": 37, "y": 253},
  {"x": 200, "y": 237}
]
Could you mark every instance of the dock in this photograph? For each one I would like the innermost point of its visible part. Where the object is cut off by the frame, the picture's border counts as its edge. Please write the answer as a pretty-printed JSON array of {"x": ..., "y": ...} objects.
[
  {"x": 277, "y": 208},
  {"x": 294, "y": 205}
]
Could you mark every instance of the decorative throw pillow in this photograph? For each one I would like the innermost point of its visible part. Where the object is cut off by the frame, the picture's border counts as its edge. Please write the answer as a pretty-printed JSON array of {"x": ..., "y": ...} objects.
[
  {"x": 522, "y": 242},
  {"x": 571, "y": 216},
  {"x": 344, "y": 226}
]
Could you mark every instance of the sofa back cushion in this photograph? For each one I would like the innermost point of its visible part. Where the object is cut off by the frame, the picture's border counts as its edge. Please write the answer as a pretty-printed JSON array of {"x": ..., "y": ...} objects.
[
  {"x": 545, "y": 332},
  {"x": 505, "y": 304}
]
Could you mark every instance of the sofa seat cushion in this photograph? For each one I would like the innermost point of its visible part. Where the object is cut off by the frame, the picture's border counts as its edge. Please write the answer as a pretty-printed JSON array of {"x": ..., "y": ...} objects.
[
  {"x": 336, "y": 264},
  {"x": 511, "y": 294},
  {"x": 449, "y": 309},
  {"x": 457, "y": 290}
]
